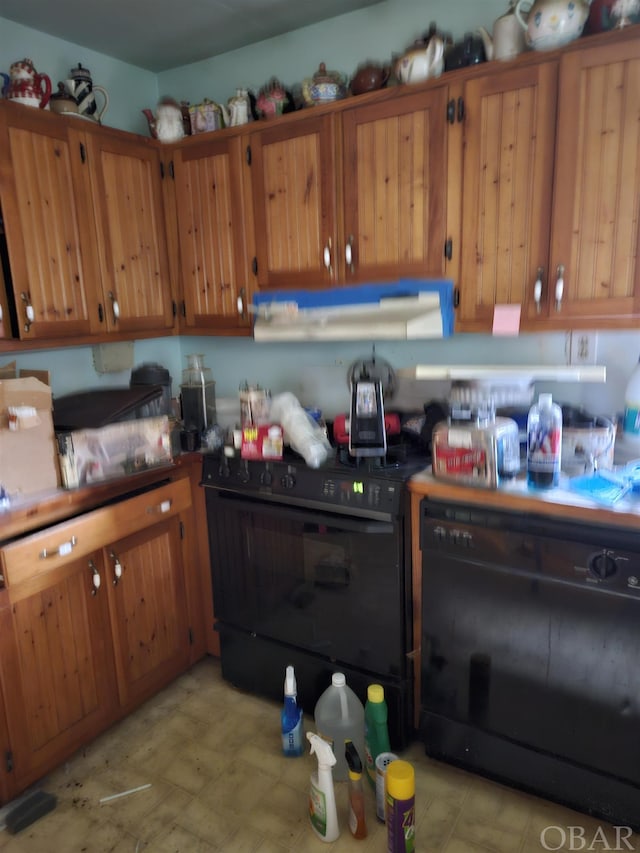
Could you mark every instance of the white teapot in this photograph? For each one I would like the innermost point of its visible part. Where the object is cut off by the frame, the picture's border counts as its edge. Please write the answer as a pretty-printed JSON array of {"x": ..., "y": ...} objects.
[
  {"x": 553, "y": 23},
  {"x": 421, "y": 63}
]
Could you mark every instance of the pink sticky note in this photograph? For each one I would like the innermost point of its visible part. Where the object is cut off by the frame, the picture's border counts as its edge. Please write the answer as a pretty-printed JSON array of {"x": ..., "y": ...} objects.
[{"x": 506, "y": 320}]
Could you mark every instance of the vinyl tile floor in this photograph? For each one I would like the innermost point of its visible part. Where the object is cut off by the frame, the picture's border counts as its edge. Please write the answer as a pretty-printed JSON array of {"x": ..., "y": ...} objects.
[{"x": 218, "y": 782}]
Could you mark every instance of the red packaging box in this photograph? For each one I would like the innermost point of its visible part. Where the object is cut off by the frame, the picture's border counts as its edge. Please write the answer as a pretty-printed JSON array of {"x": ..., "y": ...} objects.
[{"x": 263, "y": 441}]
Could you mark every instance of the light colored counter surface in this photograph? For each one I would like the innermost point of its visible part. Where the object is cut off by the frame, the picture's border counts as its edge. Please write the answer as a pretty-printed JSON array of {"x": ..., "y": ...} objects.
[{"x": 515, "y": 496}]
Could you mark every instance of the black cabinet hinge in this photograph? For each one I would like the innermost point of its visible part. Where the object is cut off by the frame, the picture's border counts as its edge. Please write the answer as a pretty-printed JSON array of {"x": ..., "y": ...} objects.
[
  {"x": 172, "y": 173},
  {"x": 161, "y": 170},
  {"x": 182, "y": 529},
  {"x": 8, "y": 761},
  {"x": 100, "y": 312},
  {"x": 174, "y": 307},
  {"x": 254, "y": 266},
  {"x": 448, "y": 249},
  {"x": 83, "y": 153},
  {"x": 248, "y": 155},
  {"x": 456, "y": 297},
  {"x": 460, "y": 108},
  {"x": 190, "y": 637},
  {"x": 183, "y": 306}
]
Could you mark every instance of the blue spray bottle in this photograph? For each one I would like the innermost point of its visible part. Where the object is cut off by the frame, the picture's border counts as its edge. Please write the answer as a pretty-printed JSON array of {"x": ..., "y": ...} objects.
[{"x": 291, "y": 717}]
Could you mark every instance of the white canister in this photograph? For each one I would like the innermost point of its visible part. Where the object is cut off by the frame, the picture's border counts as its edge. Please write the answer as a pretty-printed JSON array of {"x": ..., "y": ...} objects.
[{"x": 382, "y": 762}]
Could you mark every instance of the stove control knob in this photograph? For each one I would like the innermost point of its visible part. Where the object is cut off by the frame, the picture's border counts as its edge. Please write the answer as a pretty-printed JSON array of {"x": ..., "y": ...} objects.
[
  {"x": 440, "y": 533},
  {"x": 266, "y": 477},
  {"x": 224, "y": 471},
  {"x": 288, "y": 481},
  {"x": 243, "y": 474},
  {"x": 466, "y": 539},
  {"x": 603, "y": 565}
]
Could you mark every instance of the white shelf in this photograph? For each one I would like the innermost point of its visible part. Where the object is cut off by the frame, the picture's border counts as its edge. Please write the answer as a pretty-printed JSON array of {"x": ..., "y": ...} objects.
[{"x": 498, "y": 373}]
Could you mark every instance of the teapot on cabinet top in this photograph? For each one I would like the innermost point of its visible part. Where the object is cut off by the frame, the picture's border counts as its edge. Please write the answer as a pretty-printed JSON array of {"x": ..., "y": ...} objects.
[
  {"x": 26, "y": 86},
  {"x": 507, "y": 39},
  {"x": 552, "y": 23},
  {"x": 421, "y": 62}
]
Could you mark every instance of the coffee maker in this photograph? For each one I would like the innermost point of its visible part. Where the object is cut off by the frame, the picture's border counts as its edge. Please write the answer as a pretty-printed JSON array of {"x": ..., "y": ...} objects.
[{"x": 367, "y": 432}]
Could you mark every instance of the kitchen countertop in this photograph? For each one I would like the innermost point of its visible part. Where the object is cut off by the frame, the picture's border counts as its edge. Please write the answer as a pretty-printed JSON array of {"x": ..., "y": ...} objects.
[
  {"x": 44, "y": 508},
  {"x": 515, "y": 496}
]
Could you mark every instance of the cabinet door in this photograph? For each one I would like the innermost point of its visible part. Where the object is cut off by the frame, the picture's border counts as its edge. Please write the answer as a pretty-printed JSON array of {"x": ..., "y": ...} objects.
[
  {"x": 126, "y": 176},
  {"x": 45, "y": 197},
  {"x": 148, "y": 609},
  {"x": 294, "y": 194},
  {"x": 395, "y": 183},
  {"x": 57, "y": 666},
  {"x": 509, "y": 129},
  {"x": 596, "y": 215},
  {"x": 210, "y": 228}
]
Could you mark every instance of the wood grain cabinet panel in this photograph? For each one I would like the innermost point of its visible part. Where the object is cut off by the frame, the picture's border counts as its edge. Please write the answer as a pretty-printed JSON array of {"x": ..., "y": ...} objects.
[
  {"x": 294, "y": 202},
  {"x": 137, "y": 290},
  {"x": 395, "y": 188},
  {"x": 595, "y": 230},
  {"x": 84, "y": 220},
  {"x": 550, "y": 189},
  {"x": 209, "y": 209},
  {"x": 57, "y": 667},
  {"x": 94, "y": 629},
  {"x": 44, "y": 194}
]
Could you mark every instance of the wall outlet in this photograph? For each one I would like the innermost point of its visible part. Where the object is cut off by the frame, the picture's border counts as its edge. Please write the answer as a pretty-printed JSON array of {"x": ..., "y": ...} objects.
[{"x": 583, "y": 347}]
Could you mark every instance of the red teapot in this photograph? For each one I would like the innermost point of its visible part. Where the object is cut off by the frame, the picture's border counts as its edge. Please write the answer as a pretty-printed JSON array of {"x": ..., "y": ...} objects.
[{"x": 28, "y": 87}]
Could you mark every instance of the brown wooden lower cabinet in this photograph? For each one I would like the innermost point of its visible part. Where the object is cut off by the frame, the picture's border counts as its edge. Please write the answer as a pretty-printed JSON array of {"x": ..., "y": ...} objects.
[{"x": 93, "y": 621}]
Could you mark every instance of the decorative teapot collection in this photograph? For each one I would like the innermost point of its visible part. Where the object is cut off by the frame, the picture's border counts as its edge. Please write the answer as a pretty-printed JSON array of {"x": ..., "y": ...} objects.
[
  {"x": 527, "y": 24},
  {"x": 77, "y": 95}
]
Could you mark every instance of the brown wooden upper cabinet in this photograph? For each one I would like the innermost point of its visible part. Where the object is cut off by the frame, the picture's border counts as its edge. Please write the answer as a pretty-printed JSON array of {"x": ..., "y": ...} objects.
[
  {"x": 354, "y": 195},
  {"x": 216, "y": 281},
  {"x": 550, "y": 194},
  {"x": 83, "y": 217}
]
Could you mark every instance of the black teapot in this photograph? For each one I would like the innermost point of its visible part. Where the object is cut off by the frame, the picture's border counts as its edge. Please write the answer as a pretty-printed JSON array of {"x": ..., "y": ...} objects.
[{"x": 469, "y": 51}]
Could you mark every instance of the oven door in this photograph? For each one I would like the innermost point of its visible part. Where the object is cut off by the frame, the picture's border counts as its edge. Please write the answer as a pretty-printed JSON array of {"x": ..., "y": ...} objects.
[{"x": 328, "y": 584}]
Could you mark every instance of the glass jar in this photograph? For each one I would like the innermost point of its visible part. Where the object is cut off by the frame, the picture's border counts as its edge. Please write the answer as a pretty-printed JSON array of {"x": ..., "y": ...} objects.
[{"x": 198, "y": 394}]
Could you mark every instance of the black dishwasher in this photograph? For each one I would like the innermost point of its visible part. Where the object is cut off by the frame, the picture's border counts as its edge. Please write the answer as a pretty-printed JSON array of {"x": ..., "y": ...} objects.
[{"x": 531, "y": 654}]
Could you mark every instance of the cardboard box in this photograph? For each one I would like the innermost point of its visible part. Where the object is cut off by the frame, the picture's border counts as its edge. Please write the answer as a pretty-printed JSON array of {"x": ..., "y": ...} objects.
[
  {"x": 116, "y": 450},
  {"x": 28, "y": 458},
  {"x": 261, "y": 442}
]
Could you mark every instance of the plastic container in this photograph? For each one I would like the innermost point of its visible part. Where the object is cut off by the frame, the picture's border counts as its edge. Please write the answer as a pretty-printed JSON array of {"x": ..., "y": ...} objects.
[
  {"x": 302, "y": 432},
  {"x": 400, "y": 812},
  {"x": 339, "y": 717},
  {"x": 631, "y": 422},
  {"x": 357, "y": 821},
  {"x": 198, "y": 393},
  {"x": 323, "y": 814},
  {"x": 382, "y": 762},
  {"x": 291, "y": 717},
  {"x": 544, "y": 443},
  {"x": 376, "y": 731}
]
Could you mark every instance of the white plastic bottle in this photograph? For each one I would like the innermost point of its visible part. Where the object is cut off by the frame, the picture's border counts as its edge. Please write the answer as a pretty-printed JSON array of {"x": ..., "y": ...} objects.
[
  {"x": 322, "y": 799},
  {"x": 339, "y": 717},
  {"x": 631, "y": 426},
  {"x": 291, "y": 717},
  {"x": 544, "y": 443}
]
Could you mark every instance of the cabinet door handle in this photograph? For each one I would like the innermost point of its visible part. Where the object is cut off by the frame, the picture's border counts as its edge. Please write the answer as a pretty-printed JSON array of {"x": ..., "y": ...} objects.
[
  {"x": 95, "y": 577},
  {"x": 29, "y": 313},
  {"x": 559, "y": 287},
  {"x": 61, "y": 551},
  {"x": 117, "y": 567},
  {"x": 326, "y": 257},
  {"x": 114, "y": 305},
  {"x": 163, "y": 506},
  {"x": 348, "y": 253},
  {"x": 537, "y": 290}
]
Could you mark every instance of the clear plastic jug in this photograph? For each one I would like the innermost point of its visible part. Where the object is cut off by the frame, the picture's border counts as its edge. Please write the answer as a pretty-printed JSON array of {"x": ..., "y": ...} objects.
[
  {"x": 339, "y": 716},
  {"x": 198, "y": 393}
]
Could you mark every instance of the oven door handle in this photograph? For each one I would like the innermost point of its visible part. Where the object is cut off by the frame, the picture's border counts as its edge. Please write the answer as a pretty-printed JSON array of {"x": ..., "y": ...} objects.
[{"x": 327, "y": 519}]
